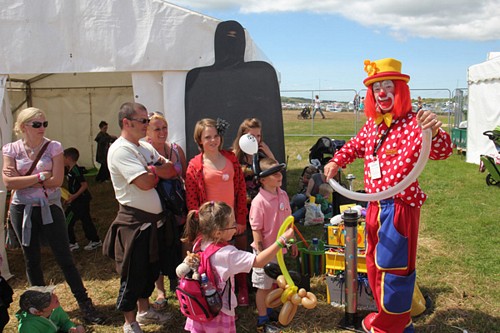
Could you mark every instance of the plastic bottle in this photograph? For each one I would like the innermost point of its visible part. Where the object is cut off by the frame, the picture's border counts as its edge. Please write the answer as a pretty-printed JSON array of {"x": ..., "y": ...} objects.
[
  {"x": 314, "y": 245},
  {"x": 211, "y": 295}
]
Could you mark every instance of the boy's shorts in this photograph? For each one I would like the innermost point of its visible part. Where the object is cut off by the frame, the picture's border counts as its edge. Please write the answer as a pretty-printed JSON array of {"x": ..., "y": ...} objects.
[{"x": 259, "y": 279}]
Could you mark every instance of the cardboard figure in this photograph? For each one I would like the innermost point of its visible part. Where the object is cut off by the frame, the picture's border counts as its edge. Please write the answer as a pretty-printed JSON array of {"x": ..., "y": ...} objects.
[{"x": 233, "y": 89}]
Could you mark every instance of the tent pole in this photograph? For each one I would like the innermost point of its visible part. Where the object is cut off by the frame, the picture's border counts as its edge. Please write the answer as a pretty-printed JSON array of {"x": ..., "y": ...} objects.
[{"x": 91, "y": 130}]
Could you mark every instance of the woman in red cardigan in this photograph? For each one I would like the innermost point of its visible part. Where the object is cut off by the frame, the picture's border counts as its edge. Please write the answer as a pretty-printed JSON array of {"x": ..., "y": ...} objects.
[{"x": 215, "y": 175}]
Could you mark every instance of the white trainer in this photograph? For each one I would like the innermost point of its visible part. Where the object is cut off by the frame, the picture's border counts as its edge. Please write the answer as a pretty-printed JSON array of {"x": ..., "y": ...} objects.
[
  {"x": 152, "y": 317},
  {"x": 93, "y": 245},
  {"x": 74, "y": 247},
  {"x": 132, "y": 328}
]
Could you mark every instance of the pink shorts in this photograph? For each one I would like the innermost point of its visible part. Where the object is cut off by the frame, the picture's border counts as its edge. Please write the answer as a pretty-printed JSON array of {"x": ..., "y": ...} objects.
[{"x": 223, "y": 323}]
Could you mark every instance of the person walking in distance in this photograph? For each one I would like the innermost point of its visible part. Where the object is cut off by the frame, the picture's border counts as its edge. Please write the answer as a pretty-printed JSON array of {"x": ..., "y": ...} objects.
[{"x": 317, "y": 107}]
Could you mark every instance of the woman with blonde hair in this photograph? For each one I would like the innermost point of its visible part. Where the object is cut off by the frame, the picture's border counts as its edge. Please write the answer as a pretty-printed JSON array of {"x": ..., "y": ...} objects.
[
  {"x": 35, "y": 208},
  {"x": 157, "y": 136}
]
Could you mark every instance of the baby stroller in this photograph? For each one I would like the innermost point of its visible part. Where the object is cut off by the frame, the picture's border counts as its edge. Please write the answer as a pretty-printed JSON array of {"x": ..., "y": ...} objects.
[
  {"x": 491, "y": 163},
  {"x": 324, "y": 149},
  {"x": 305, "y": 113}
]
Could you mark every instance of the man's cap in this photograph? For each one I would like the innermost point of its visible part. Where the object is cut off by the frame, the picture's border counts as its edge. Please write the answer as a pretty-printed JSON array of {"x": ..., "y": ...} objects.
[
  {"x": 383, "y": 69},
  {"x": 38, "y": 298}
]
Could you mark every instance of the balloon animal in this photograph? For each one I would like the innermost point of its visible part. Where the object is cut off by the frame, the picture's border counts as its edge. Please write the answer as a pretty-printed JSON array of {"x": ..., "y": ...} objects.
[{"x": 287, "y": 292}]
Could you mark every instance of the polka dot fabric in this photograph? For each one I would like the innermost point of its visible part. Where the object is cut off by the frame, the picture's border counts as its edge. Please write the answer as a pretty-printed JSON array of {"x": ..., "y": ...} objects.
[{"x": 397, "y": 155}]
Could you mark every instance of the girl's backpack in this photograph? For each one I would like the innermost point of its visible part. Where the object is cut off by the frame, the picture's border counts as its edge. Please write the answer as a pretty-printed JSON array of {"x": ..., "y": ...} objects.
[{"x": 192, "y": 302}]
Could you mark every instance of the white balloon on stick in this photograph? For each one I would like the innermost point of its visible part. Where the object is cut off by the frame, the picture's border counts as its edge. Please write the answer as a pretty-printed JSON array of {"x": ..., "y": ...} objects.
[{"x": 248, "y": 143}]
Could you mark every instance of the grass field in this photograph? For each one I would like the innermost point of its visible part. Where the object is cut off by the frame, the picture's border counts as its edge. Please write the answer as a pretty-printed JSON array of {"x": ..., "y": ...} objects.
[{"x": 458, "y": 259}]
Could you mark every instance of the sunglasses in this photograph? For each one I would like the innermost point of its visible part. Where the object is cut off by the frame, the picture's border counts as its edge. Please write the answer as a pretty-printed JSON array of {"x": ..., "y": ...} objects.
[
  {"x": 38, "y": 124},
  {"x": 143, "y": 121},
  {"x": 156, "y": 113}
]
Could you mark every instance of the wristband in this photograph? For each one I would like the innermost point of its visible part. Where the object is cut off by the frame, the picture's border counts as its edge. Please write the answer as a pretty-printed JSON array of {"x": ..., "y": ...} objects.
[
  {"x": 283, "y": 239},
  {"x": 152, "y": 168},
  {"x": 279, "y": 244}
]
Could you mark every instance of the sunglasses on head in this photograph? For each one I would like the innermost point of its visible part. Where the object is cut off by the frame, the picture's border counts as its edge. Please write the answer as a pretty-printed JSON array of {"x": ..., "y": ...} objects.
[
  {"x": 38, "y": 124},
  {"x": 156, "y": 113},
  {"x": 143, "y": 121}
]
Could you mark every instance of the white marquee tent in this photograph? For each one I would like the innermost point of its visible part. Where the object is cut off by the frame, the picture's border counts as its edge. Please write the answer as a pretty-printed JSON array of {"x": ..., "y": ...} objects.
[
  {"x": 80, "y": 60},
  {"x": 484, "y": 106}
]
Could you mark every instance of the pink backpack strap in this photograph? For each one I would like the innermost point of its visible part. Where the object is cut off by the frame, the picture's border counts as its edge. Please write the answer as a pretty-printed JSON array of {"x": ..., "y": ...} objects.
[{"x": 205, "y": 266}]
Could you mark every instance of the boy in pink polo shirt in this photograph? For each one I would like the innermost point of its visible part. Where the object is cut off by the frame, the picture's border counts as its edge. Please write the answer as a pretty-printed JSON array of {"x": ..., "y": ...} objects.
[{"x": 268, "y": 211}]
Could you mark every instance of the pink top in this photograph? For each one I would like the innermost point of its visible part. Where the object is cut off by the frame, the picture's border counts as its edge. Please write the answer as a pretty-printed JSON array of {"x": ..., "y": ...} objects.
[
  {"x": 267, "y": 213},
  {"x": 16, "y": 151},
  {"x": 219, "y": 184}
]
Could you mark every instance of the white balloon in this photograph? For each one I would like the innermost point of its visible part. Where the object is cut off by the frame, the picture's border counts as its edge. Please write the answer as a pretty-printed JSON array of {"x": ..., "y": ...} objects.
[
  {"x": 249, "y": 145},
  {"x": 401, "y": 186}
]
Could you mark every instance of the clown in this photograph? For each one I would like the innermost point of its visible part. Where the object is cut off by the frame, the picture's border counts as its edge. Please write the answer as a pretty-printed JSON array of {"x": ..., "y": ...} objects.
[{"x": 390, "y": 143}]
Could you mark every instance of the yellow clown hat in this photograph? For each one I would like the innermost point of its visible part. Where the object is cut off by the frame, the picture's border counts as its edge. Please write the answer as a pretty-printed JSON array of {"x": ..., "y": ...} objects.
[{"x": 383, "y": 69}]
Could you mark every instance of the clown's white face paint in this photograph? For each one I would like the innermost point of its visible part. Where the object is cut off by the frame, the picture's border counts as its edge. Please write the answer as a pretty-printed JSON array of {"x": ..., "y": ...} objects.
[{"x": 384, "y": 95}]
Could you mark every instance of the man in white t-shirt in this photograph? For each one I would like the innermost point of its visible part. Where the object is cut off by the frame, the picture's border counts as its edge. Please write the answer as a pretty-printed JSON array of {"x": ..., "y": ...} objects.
[
  {"x": 317, "y": 107},
  {"x": 132, "y": 239}
]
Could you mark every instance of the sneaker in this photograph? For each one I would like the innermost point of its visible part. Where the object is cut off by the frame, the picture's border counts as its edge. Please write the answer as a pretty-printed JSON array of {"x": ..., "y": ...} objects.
[
  {"x": 74, "y": 247},
  {"x": 152, "y": 317},
  {"x": 132, "y": 328},
  {"x": 93, "y": 245},
  {"x": 268, "y": 328},
  {"x": 90, "y": 313}
]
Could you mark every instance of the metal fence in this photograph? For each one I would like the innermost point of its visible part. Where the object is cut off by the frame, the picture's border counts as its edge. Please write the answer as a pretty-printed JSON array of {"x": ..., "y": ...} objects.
[{"x": 453, "y": 104}]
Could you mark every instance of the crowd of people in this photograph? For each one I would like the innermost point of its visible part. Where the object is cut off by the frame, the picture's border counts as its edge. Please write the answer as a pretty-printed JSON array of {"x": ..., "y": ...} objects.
[
  {"x": 233, "y": 198},
  {"x": 144, "y": 239}
]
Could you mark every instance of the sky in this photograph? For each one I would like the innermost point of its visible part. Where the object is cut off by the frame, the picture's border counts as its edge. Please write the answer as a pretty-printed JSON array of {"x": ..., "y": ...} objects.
[{"x": 321, "y": 45}]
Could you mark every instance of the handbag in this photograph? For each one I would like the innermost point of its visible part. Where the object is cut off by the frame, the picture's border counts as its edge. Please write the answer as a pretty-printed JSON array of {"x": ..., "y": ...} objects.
[
  {"x": 11, "y": 240},
  {"x": 173, "y": 195}
]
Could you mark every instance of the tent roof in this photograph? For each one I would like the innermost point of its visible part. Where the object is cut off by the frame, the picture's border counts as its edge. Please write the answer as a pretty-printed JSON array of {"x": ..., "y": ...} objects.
[
  {"x": 486, "y": 71},
  {"x": 62, "y": 36}
]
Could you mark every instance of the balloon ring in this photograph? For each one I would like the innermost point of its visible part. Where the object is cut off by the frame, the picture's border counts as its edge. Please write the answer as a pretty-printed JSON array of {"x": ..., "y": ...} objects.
[{"x": 401, "y": 186}]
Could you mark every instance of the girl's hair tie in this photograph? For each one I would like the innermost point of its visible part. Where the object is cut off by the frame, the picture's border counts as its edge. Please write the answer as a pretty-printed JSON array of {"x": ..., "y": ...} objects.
[{"x": 212, "y": 203}]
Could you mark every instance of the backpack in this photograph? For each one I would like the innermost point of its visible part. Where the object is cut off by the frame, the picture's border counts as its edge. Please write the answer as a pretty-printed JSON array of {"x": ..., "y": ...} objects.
[
  {"x": 192, "y": 302},
  {"x": 173, "y": 195}
]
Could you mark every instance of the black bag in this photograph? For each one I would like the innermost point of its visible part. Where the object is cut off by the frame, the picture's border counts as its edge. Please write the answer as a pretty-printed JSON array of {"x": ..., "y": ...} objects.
[
  {"x": 324, "y": 149},
  {"x": 173, "y": 194}
]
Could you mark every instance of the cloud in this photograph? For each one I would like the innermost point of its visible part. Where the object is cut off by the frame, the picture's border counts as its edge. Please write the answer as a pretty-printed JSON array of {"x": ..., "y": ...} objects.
[{"x": 446, "y": 19}]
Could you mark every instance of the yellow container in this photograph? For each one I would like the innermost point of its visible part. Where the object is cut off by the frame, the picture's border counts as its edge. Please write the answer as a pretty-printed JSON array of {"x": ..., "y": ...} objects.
[
  {"x": 336, "y": 236},
  {"x": 335, "y": 261}
]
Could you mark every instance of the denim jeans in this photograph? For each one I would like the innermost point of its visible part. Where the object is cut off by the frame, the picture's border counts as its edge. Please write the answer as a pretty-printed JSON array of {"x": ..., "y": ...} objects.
[{"x": 56, "y": 236}]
